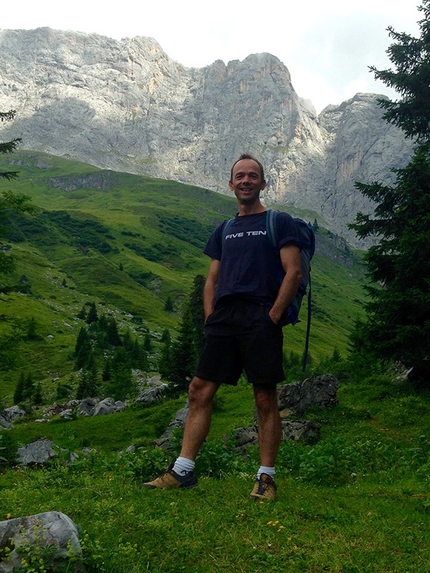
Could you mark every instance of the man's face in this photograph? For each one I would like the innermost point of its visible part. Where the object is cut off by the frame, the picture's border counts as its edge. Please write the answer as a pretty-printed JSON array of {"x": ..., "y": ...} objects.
[{"x": 246, "y": 182}]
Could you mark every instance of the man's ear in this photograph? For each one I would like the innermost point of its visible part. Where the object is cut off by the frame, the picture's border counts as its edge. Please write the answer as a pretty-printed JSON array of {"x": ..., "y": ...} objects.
[{"x": 230, "y": 184}]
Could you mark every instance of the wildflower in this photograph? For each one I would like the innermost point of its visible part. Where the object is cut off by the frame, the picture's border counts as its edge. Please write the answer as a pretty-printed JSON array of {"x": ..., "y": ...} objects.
[{"x": 8, "y": 516}]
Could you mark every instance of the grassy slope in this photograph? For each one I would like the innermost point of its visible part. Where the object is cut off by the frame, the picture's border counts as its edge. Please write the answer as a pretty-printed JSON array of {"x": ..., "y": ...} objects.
[
  {"x": 139, "y": 219},
  {"x": 356, "y": 501}
]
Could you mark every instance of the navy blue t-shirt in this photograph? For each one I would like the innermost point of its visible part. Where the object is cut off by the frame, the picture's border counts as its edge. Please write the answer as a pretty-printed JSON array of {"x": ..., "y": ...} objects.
[{"x": 250, "y": 266}]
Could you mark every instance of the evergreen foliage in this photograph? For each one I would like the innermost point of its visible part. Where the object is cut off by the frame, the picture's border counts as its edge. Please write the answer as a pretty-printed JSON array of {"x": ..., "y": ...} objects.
[
  {"x": 8, "y": 146},
  {"x": 183, "y": 355},
  {"x": 411, "y": 78},
  {"x": 9, "y": 203},
  {"x": 397, "y": 326}
]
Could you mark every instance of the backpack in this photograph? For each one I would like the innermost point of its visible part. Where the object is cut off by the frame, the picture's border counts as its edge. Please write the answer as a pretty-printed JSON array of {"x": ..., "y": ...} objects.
[{"x": 307, "y": 240}]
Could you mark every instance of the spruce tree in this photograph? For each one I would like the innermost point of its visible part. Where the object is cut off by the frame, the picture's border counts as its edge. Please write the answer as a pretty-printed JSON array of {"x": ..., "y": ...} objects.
[
  {"x": 92, "y": 314},
  {"x": 9, "y": 202},
  {"x": 165, "y": 362},
  {"x": 397, "y": 325},
  {"x": 8, "y": 146},
  {"x": 184, "y": 353},
  {"x": 18, "y": 395}
]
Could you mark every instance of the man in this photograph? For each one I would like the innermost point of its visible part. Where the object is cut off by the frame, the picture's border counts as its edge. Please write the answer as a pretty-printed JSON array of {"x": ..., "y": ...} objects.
[{"x": 243, "y": 302}]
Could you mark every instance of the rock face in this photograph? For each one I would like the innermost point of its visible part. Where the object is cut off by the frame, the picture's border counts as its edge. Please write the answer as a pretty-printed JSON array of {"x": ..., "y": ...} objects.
[
  {"x": 127, "y": 106},
  {"x": 51, "y": 529}
]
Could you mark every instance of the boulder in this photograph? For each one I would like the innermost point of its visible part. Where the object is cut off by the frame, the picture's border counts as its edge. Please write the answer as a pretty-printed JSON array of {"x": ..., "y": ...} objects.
[
  {"x": 87, "y": 407},
  {"x": 152, "y": 394},
  {"x": 291, "y": 430},
  {"x": 178, "y": 422},
  {"x": 39, "y": 452},
  {"x": 9, "y": 415},
  {"x": 53, "y": 529},
  {"x": 316, "y": 391},
  {"x": 106, "y": 406}
]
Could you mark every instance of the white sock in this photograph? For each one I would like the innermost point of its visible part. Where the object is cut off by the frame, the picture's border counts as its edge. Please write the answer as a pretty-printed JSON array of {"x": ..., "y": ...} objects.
[
  {"x": 183, "y": 466},
  {"x": 270, "y": 471}
]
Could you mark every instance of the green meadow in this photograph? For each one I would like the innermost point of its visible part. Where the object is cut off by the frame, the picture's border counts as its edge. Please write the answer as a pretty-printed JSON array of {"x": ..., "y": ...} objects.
[{"x": 356, "y": 501}]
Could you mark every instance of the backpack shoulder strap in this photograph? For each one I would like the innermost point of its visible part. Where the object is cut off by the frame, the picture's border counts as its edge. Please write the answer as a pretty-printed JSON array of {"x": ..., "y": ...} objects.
[
  {"x": 271, "y": 228},
  {"x": 225, "y": 228}
]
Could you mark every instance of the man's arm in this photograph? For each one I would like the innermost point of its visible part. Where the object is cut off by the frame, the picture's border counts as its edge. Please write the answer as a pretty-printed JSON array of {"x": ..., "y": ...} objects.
[
  {"x": 210, "y": 287},
  {"x": 290, "y": 259}
]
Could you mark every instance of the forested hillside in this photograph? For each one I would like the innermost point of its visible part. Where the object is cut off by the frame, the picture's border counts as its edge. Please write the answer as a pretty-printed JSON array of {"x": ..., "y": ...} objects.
[{"x": 133, "y": 246}]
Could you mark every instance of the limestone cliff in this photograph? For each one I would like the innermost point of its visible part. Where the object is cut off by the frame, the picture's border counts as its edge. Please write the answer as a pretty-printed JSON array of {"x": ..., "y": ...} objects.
[{"x": 125, "y": 105}]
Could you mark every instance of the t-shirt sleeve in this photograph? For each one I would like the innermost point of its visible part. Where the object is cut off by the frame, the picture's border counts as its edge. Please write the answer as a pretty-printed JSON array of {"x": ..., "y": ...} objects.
[
  {"x": 288, "y": 232},
  {"x": 213, "y": 248}
]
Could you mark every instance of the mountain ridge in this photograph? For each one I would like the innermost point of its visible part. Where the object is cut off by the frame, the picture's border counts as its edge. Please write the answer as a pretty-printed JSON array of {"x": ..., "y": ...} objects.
[{"x": 125, "y": 105}]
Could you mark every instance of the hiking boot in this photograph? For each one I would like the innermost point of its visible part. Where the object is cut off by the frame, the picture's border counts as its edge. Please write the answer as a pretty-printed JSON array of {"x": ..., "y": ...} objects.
[
  {"x": 264, "y": 488},
  {"x": 171, "y": 480}
]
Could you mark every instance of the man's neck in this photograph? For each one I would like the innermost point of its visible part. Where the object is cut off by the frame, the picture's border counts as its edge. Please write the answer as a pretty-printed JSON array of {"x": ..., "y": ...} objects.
[{"x": 252, "y": 209}]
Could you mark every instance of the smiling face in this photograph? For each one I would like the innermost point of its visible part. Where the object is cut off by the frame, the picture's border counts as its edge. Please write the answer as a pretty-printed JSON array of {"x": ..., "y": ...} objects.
[{"x": 246, "y": 181}]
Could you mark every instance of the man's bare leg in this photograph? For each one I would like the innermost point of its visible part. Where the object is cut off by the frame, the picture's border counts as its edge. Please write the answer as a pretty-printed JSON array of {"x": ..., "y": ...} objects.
[
  {"x": 180, "y": 474},
  {"x": 200, "y": 398},
  {"x": 269, "y": 439},
  {"x": 270, "y": 427}
]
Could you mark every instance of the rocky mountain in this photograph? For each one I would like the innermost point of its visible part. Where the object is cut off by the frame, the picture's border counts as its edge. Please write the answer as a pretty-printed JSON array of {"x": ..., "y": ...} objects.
[{"x": 125, "y": 105}]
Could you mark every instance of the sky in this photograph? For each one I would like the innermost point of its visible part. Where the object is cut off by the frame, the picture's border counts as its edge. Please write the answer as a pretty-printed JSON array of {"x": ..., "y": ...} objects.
[{"x": 327, "y": 46}]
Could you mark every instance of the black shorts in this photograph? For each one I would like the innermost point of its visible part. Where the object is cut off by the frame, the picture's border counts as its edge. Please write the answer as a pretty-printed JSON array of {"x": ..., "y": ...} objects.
[{"x": 241, "y": 336}]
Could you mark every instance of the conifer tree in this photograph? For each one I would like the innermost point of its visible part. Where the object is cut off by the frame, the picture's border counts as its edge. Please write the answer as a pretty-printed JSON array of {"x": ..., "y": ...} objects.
[
  {"x": 29, "y": 388},
  {"x": 113, "y": 334},
  {"x": 38, "y": 395},
  {"x": 184, "y": 353},
  {"x": 92, "y": 314},
  {"x": 8, "y": 146},
  {"x": 18, "y": 395},
  {"x": 397, "y": 325},
  {"x": 9, "y": 202},
  {"x": 165, "y": 362}
]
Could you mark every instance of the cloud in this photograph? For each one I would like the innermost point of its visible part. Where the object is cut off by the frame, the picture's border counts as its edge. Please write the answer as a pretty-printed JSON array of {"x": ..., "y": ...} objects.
[{"x": 327, "y": 46}]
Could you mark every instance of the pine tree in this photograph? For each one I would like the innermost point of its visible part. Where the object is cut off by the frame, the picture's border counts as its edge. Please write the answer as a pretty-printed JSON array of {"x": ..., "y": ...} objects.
[
  {"x": 9, "y": 202},
  {"x": 9, "y": 146},
  {"x": 397, "y": 325},
  {"x": 18, "y": 395},
  {"x": 197, "y": 311},
  {"x": 29, "y": 388},
  {"x": 38, "y": 395},
  {"x": 113, "y": 334},
  {"x": 184, "y": 353},
  {"x": 92, "y": 314},
  {"x": 165, "y": 362}
]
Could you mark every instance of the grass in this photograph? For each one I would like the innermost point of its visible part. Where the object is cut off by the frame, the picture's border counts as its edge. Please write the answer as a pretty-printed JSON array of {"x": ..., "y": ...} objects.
[
  {"x": 356, "y": 501},
  {"x": 128, "y": 243}
]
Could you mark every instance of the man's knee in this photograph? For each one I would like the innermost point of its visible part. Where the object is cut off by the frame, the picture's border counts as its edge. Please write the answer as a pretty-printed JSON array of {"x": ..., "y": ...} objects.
[
  {"x": 266, "y": 398},
  {"x": 201, "y": 391}
]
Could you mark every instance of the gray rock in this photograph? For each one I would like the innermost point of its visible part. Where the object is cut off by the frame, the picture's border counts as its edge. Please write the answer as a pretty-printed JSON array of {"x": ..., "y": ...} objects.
[
  {"x": 39, "y": 452},
  {"x": 87, "y": 407},
  {"x": 51, "y": 528},
  {"x": 304, "y": 430},
  {"x": 126, "y": 106},
  {"x": 316, "y": 391},
  {"x": 67, "y": 414},
  {"x": 106, "y": 406},
  {"x": 291, "y": 430},
  {"x": 152, "y": 395},
  {"x": 9, "y": 415},
  {"x": 178, "y": 422},
  {"x": 120, "y": 406}
]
